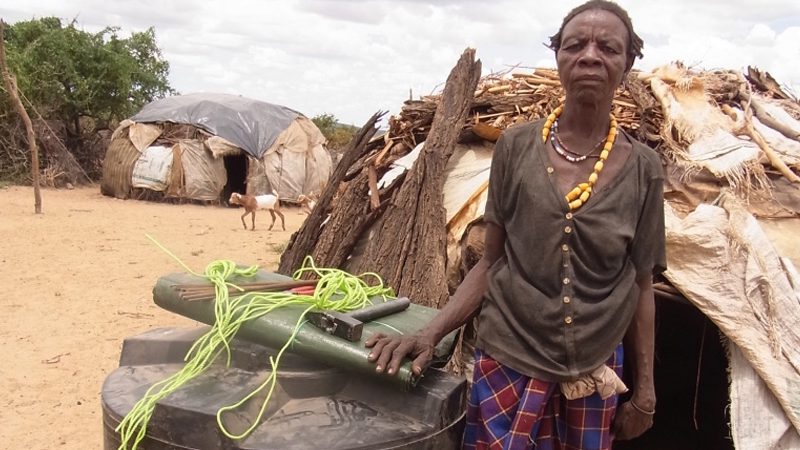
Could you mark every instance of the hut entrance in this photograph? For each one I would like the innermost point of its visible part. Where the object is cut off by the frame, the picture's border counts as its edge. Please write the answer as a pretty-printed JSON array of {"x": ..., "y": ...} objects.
[
  {"x": 691, "y": 382},
  {"x": 236, "y": 169}
]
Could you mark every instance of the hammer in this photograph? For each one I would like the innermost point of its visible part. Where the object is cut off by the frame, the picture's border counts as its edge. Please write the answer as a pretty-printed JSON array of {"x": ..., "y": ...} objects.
[{"x": 350, "y": 325}]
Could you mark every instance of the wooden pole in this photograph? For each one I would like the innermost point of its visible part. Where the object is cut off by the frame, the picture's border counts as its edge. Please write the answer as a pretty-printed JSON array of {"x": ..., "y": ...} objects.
[
  {"x": 11, "y": 88},
  {"x": 409, "y": 244},
  {"x": 329, "y": 246}
]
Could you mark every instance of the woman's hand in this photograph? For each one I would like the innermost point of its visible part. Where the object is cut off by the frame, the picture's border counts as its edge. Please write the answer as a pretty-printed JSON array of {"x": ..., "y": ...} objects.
[
  {"x": 388, "y": 352},
  {"x": 632, "y": 419}
]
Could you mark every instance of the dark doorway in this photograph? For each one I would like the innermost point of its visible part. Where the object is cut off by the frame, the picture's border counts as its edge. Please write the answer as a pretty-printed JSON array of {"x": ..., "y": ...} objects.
[
  {"x": 236, "y": 168},
  {"x": 691, "y": 382}
]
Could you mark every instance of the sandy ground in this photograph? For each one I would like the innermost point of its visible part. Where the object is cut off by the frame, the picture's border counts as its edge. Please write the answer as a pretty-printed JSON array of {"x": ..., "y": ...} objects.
[{"x": 78, "y": 280}]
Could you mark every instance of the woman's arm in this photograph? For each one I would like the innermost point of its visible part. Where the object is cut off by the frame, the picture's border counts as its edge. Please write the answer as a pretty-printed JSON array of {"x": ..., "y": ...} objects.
[
  {"x": 634, "y": 419},
  {"x": 389, "y": 351}
]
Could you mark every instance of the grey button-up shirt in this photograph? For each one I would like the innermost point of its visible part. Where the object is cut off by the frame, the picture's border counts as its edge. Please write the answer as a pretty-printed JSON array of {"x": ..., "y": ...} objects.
[{"x": 563, "y": 294}]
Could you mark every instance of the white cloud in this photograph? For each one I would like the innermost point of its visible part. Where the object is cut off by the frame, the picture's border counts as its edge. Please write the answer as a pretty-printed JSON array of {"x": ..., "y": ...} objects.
[
  {"x": 354, "y": 57},
  {"x": 351, "y": 11},
  {"x": 760, "y": 34}
]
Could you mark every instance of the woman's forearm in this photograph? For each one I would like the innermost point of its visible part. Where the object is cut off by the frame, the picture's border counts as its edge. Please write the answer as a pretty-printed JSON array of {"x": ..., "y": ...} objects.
[
  {"x": 463, "y": 305},
  {"x": 467, "y": 300},
  {"x": 640, "y": 344}
]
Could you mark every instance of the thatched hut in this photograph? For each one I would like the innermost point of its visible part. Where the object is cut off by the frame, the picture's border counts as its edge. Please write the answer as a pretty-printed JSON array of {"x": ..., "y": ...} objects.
[{"x": 205, "y": 146}]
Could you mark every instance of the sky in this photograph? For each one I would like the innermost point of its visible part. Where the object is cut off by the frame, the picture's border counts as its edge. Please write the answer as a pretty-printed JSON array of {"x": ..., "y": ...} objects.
[{"x": 351, "y": 58}]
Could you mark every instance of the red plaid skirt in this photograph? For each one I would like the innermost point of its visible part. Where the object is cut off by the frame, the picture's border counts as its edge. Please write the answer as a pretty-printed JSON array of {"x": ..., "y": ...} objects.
[{"x": 510, "y": 411}]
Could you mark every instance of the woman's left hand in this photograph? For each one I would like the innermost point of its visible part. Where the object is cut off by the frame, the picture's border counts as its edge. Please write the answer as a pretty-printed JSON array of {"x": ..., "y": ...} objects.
[{"x": 632, "y": 421}]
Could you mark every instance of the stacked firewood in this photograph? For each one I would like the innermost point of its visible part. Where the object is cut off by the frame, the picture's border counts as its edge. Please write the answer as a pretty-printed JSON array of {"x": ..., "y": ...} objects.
[{"x": 506, "y": 99}]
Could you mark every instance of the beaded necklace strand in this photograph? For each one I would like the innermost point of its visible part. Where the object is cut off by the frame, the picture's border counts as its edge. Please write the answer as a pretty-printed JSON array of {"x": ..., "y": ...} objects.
[
  {"x": 566, "y": 153},
  {"x": 581, "y": 193}
]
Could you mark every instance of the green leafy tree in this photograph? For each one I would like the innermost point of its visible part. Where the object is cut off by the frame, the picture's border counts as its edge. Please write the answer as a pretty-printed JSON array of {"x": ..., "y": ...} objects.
[
  {"x": 337, "y": 134},
  {"x": 84, "y": 81}
]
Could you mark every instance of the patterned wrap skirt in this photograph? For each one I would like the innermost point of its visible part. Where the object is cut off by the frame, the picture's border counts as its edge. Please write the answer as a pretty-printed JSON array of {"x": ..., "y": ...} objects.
[{"x": 510, "y": 411}]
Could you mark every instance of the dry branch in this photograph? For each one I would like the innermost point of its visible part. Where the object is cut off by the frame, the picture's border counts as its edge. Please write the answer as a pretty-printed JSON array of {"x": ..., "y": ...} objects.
[
  {"x": 773, "y": 157},
  {"x": 305, "y": 240},
  {"x": 409, "y": 244},
  {"x": 11, "y": 88}
]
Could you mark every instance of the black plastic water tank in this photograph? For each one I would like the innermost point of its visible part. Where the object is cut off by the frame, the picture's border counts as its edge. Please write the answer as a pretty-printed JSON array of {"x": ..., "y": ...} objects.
[{"x": 313, "y": 406}]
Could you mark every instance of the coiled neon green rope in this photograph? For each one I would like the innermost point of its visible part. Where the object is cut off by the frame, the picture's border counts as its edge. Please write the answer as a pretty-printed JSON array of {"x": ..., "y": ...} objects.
[{"x": 336, "y": 290}]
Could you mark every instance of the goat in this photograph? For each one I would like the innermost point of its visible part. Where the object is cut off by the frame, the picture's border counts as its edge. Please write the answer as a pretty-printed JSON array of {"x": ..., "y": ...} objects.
[
  {"x": 253, "y": 203},
  {"x": 307, "y": 203}
]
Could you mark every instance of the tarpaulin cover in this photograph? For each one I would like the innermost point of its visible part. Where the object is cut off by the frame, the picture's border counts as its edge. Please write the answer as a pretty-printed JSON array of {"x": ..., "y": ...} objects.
[
  {"x": 250, "y": 124},
  {"x": 464, "y": 197},
  {"x": 274, "y": 329},
  {"x": 142, "y": 135},
  {"x": 757, "y": 420},
  {"x": 152, "y": 169},
  {"x": 204, "y": 175},
  {"x": 721, "y": 260},
  {"x": 297, "y": 163}
]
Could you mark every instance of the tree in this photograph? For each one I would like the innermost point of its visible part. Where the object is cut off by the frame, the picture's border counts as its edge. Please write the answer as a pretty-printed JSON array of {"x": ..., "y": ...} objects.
[
  {"x": 337, "y": 134},
  {"x": 82, "y": 81}
]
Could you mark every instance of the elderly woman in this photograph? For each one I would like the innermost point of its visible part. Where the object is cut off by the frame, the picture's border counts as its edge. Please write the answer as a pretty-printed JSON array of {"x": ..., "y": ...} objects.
[{"x": 575, "y": 232}]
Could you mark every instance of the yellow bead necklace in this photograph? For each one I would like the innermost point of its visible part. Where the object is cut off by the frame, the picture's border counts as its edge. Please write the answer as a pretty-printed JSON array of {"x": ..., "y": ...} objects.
[{"x": 581, "y": 193}]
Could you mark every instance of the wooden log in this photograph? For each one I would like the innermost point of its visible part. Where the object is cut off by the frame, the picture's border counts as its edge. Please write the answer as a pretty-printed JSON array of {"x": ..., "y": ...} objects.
[
  {"x": 773, "y": 157},
  {"x": 346, "y": 225},
  {"x": 770, "y": 121},
  {"x": 489, "y": 116},
  {"x": 546, "y": 73},
  {"x": 304, "y": 240},
  {"x": 499, "y": 89},
  {"x": 488, "y": 132},
  {"x": 372, "y": 182},
  {"x": 764, "y": 82},
  {"x": 11, "y": 88},
  {"x": 639, "y": 93},
  {"x": 542, "y": 82},
  {"x": 408, "y": 243}
]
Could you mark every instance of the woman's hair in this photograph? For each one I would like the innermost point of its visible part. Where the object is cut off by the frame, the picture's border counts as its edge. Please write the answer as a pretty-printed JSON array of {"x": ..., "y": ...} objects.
[{"x": 635, "y": 43}]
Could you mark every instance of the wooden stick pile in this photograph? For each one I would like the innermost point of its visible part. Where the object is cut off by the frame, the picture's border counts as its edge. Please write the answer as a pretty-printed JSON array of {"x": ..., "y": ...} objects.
[
  {"x": 203, "y": 292},
  {"x": 505, "y": 99}
]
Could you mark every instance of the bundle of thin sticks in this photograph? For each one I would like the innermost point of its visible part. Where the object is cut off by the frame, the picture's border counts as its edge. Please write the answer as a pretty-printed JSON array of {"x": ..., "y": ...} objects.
[
  {"x": 204, "y": 292},
  {"x": 522, "y": 95}
]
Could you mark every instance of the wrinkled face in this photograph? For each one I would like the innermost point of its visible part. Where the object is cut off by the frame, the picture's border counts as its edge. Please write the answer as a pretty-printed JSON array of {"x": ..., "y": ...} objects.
[{"x": 592, "y": 59}]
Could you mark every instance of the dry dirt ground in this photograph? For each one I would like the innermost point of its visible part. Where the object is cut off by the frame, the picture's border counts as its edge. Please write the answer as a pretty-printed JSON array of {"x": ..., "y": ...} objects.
[{"x": 77, "y": 280}]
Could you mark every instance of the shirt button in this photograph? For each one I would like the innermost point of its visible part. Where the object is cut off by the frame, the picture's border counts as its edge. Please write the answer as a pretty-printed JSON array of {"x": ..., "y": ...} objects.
[
  {"x": 550, "y": 170},
  {"x": 569, "y": 216},
  {"x": 567, "y": 300},
  {"x": 565, "y": 247},
  {"x": 568, "y": 229},
  {"x": 566, "y": 281},
  {"x": 568, "y": 320}
]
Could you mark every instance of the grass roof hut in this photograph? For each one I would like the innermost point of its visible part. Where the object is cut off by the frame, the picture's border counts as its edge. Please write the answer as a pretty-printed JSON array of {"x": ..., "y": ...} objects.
[{"x": 204, "y": 146}]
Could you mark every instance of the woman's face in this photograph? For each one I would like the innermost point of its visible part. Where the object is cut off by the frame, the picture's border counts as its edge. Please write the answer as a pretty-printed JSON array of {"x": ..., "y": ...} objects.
[{"x": 593, "y": 56}]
